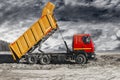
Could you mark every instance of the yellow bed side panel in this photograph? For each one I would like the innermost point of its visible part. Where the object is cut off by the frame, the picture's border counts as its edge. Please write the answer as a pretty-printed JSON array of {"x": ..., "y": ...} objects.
[
  {"x": 38, "y": 34},
  {"x": 22, "y": 45},
  {"x": 48, "y": 9},
  {"x": 16, "y": 49},
  {"x": 45, "y": 25},
  {"x": 27, "y": 40},
  {"x": 52, "y": 20},
  {"x": 35, "y": 33}
]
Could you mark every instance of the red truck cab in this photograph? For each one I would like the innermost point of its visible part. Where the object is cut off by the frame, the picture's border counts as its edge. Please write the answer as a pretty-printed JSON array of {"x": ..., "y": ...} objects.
[{"x": 83, "y": 42}]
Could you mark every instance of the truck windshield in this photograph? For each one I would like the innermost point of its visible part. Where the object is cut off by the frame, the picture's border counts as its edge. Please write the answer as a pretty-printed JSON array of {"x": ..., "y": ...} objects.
[{"x": 86, "y": 39}]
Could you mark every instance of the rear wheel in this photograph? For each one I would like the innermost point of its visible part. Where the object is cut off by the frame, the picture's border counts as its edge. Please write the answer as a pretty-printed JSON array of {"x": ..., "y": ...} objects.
[
  {"x": 32, "y": 60},
  {"x": 81, "y": 59},
  {"x": 45, "y": 60}
]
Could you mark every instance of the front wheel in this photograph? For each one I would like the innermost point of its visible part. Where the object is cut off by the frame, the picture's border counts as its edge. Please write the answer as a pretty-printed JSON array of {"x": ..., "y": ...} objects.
[{"x": 81, "y": 59}]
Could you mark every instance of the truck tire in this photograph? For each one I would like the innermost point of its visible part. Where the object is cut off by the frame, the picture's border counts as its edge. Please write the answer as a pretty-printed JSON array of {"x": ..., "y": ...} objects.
[
  {"x": 81, "y": 59},
  {"x": 32, "y": 60},
  {"x": 44, "y": 60}
]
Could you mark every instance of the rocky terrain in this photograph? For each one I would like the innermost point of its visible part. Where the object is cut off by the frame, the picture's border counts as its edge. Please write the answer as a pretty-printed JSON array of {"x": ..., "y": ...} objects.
[
  {"x": 4, "y": 46},
  {"x": 106, "y": 67},
  {"x": 100, "y": 18}
]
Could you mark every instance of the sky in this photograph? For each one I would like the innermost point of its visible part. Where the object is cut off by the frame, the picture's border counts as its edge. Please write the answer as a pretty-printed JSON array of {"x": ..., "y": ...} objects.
[{"x": 100, "y": 18}]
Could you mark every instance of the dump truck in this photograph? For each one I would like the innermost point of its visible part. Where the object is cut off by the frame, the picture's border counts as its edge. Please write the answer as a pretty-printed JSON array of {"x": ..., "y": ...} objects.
[{"x": 39, "y": 32}]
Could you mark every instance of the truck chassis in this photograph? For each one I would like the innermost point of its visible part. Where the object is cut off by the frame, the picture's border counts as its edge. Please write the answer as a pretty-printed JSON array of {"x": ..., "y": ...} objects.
[{"x": 47, "y": 58}]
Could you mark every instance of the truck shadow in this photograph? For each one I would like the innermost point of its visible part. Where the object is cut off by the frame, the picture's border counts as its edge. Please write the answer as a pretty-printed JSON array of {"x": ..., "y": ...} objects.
[{"x": 6, "y": 58}]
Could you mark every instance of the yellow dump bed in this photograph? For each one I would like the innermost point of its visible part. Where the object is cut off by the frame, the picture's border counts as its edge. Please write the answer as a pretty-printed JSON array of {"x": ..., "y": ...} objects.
[{"x": 38, "y": 31}]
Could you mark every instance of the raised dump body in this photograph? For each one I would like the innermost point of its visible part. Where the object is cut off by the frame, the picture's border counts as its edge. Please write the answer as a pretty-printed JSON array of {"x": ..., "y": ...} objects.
[{"x": 38, "y": 32}]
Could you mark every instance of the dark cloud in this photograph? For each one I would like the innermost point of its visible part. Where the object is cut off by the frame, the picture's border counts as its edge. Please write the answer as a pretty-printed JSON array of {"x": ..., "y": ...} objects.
[{"x": 12, "y": 12}]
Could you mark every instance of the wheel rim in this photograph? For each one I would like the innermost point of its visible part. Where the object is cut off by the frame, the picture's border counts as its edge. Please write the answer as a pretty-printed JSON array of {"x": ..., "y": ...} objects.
[
  {"x": 45, "y": 60},
  {"x": 80, "y": 59},
  {"x": 32, "y": 60}
]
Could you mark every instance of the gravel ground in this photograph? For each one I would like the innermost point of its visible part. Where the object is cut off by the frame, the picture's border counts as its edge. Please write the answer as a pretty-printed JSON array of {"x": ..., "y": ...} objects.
[{"x": 106, "y": 67}]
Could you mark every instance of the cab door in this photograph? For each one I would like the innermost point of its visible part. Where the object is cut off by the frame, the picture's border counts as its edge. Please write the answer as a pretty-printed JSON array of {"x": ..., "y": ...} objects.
[{"x": 88, "y": 44}]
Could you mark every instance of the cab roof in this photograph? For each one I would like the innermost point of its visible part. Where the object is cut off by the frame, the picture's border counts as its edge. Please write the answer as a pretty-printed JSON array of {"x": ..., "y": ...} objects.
[{"x": 82, "y": 35}]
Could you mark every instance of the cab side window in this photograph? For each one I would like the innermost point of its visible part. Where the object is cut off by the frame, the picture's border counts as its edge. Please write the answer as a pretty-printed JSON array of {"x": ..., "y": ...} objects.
[{"x": 86, "y": 39}]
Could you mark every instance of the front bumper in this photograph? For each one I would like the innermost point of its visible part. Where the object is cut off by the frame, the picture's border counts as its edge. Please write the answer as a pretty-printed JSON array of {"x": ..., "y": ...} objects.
[{"x": 91, "y": 56}]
